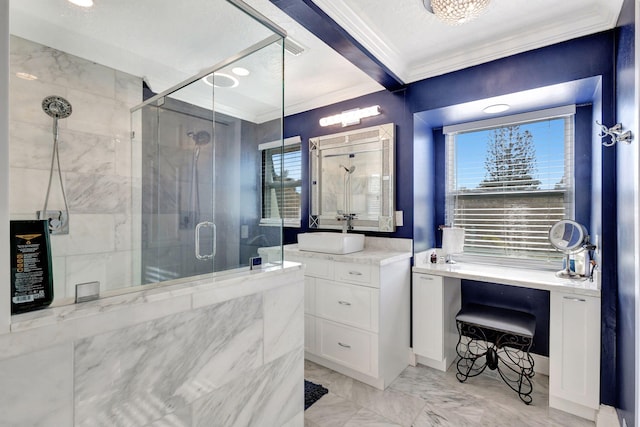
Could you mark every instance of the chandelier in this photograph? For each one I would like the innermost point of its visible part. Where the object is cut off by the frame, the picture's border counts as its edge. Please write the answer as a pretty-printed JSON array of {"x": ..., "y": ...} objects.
[{"x": 456, "y": 12}]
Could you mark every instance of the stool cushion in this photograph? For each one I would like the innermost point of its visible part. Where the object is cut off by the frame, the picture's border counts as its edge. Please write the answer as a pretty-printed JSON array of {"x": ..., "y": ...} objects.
[{"x": 501, "y": 319}]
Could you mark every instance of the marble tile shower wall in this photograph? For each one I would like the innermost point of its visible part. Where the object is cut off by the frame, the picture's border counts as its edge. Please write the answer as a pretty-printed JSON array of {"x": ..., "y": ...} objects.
[
  {"x": 235, "y": 362},
  {"x": 95, "y": 159}
]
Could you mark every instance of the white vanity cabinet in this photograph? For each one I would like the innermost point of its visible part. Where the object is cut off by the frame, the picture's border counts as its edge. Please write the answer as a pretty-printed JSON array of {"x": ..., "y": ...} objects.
[
  {"x": 574, "y": 353},
  {"x": 436, "y": 301},
  {"x": 357, "y": 314}
]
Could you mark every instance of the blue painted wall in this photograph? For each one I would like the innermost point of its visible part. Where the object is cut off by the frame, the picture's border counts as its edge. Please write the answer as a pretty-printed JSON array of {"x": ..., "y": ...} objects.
[
  {"x": 394, "y": 110},
  {"x": 576, "y": 59},
  {"x": 627, "y": 192}
]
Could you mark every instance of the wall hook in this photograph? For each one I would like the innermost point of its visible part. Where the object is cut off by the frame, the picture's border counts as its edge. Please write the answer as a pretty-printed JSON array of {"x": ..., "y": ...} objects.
[{"x": 615, "y": 133}]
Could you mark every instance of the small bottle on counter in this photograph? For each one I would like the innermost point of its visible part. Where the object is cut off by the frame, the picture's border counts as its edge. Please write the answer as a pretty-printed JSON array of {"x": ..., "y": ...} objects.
[{"x": 433, "y": 258}]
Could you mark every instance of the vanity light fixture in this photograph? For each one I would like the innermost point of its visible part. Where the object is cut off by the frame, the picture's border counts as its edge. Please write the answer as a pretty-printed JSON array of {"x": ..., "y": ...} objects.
[
  {"x": 240, "y": 71},
  {"x": 221, "y": 80},
  {"x": 26, "y": 76},
  {"x": 496, "y": 108},
  {"x": 456, "y": 12},
  {"x": 350, "y": 117},
  {"x": 615, "y": 133},
  {"x": 82, "y": 3}
]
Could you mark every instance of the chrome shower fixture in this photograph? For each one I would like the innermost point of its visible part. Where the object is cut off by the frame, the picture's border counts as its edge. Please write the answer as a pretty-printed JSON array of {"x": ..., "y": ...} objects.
[
  {"x": 57, "y": 107},
  {"x": 202, "y": 137},
  {"x": 348, "y": 170}
]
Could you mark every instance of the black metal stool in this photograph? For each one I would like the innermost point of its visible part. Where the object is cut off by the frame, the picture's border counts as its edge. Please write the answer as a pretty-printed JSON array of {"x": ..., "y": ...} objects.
[{"x": 503, "y": 337}]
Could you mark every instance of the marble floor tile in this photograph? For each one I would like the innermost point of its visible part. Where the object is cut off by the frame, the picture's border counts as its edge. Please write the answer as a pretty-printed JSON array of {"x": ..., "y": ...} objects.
[
  {"x": 330, "y": 411},
  {"x": 365, "y": 417},
  {"x": 397, "y": 406},
  {"x": 425, "y": 397}
]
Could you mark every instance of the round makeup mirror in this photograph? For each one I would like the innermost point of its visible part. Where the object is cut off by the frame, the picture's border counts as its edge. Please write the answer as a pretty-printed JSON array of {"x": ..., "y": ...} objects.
[{"x": 568, "y": 237}]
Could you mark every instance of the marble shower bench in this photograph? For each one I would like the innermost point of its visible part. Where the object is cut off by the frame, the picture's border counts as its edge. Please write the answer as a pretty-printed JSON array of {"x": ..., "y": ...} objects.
[{"x": 227, "y": 348}]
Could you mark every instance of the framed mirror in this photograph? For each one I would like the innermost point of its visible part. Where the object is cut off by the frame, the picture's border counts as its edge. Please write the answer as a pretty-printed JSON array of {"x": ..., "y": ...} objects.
[
  {"x": 568, "y": 237},
  {"x": 352, "y": 180}
]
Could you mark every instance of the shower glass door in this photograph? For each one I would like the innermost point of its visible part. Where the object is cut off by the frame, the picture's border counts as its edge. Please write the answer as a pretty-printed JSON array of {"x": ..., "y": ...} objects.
[{"x": 199, "y": 198}]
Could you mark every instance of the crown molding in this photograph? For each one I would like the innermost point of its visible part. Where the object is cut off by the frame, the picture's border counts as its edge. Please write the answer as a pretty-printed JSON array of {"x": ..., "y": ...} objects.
[
  {"x": 588, "y": 23},
  {"x": 591, "y": 20}
]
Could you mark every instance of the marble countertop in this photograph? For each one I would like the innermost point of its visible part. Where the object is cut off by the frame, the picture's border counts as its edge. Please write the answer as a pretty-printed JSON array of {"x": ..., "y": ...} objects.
[
  {"x": 373, "y": 256},
  {"x": 527, "y": 278},
  {"x": 377, "y": 251}
]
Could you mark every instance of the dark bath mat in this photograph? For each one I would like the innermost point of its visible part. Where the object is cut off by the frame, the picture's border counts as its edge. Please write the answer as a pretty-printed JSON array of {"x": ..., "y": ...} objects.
[{"x": 312, "y": 392}]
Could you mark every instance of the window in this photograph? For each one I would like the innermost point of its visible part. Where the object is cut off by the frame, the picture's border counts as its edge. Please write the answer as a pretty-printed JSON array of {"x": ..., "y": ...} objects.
[
  {"x": 508, "y": 180},
  {"x": 281, "y": 168}
]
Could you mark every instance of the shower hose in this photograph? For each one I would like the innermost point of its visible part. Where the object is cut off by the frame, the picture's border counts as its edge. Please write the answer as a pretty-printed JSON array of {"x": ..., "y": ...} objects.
[{"x": 55, "y": 160}]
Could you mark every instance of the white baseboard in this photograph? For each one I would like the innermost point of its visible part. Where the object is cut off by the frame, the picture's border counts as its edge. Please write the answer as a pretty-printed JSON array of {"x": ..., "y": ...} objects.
[
  {"x": 607, "y": 417},
  {"x": 541, "y": 364}
]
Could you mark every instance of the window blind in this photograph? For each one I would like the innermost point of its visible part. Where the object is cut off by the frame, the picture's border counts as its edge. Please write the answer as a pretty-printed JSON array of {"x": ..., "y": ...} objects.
[
  {"x": 281, "y": 183},
  {"x": 506, "y": 186}
]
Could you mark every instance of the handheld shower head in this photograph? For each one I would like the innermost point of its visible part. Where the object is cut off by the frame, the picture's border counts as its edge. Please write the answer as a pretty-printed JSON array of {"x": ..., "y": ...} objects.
[
  {"x": 56, "y": 107},
  {"x": 348, "y": 170},
  {"x": 202, "y": 137}
]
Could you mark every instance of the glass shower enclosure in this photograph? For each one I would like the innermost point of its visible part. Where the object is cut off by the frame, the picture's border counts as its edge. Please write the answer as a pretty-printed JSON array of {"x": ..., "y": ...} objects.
[{"x": 197, "y": 195}]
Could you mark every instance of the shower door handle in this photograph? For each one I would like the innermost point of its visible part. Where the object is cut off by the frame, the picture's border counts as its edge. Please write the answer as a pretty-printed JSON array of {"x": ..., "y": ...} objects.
[{"x": 200, "y": 226}]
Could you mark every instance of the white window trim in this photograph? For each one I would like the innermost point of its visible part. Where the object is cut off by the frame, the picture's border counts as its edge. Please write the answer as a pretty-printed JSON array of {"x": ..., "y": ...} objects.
[
  {"x": 276, "y": 222},
  {"x": 451, "y": 130},
  {"x": 532, "y": 116}
]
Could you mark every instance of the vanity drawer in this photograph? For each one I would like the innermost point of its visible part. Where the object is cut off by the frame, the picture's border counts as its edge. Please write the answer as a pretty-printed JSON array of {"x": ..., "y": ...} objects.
[
  {"x": 350, "y": 347},
  {"x": 316, "y": 267},
  {"x": 352, "y": 305},
  {"x": 353, "y": 273}
]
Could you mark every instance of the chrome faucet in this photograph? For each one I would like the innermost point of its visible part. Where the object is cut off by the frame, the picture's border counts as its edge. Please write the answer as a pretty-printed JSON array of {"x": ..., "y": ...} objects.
[{"x": 347, "y": 218}]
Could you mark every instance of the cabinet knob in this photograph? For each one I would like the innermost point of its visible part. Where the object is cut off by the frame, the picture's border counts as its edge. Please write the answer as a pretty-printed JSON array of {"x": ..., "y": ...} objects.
[
  {"x": 344, "y": 303},
  {"x": 355, "y": 273},
  {"x": 344, "y": 345}
]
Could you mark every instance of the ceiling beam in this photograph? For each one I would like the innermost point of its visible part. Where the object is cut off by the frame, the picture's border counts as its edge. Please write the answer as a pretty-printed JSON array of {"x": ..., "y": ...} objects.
[{"x": 310, "y": 16}]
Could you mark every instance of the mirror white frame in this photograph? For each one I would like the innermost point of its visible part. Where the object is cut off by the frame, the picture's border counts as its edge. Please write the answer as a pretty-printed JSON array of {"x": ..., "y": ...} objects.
[
  {"x": 569, "y": 237},
  {"x": 352, "y": 180}
]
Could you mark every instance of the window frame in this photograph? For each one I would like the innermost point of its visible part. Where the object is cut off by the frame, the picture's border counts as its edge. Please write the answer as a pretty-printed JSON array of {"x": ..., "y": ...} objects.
[
  {"x": 451, "y": 193},
  {"x": 272, "y": 221}
]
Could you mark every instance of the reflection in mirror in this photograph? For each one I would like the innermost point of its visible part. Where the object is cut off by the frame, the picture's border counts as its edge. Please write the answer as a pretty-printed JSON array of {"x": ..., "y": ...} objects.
[
  {"x": 568, "y": 237},
  {"x": 352, "y": 180}
]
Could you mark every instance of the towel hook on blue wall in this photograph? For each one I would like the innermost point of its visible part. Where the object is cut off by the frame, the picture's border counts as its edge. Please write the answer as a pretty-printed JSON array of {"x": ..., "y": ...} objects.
[{"x": 615, "y": 133}]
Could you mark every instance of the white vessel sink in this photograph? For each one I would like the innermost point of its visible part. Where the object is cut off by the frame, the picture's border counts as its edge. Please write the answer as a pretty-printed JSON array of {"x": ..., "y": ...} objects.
[{"x": 331, "y": 243}]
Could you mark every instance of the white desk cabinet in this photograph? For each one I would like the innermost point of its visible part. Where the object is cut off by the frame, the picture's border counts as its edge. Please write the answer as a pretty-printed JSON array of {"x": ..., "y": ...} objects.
[
  {"x": 574, "y": 325},
  {"x": 357, "y": 315},
  {"x": 574, "y": 353},
  {"x": 436, "y": 301}
]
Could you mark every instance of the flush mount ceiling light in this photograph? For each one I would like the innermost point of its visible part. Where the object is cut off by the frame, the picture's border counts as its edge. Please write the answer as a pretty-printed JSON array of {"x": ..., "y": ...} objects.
[
  {"x": 496, "y": 108},
  {"x": 456, "y": 12},
  {"x": 221, "y": 80},
  {"x": 240, "y": 71}
]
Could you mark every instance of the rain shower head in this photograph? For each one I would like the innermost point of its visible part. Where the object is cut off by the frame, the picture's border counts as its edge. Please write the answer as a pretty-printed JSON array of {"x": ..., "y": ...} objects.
[
  {"x": 56, "y": 107},
  {"x": 349, "y": 170},
  {"x": 201, "y": 137}
]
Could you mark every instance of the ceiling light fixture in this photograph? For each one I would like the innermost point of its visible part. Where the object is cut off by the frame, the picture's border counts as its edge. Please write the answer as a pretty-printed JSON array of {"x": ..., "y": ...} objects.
[
  {"x": 240, "y": 71},
  {"x": 221, "y": 80},
  {"x": 496, "y": 108},
  {"x": 82, "y": 3},
  {"x": 455, "y": 12}
]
